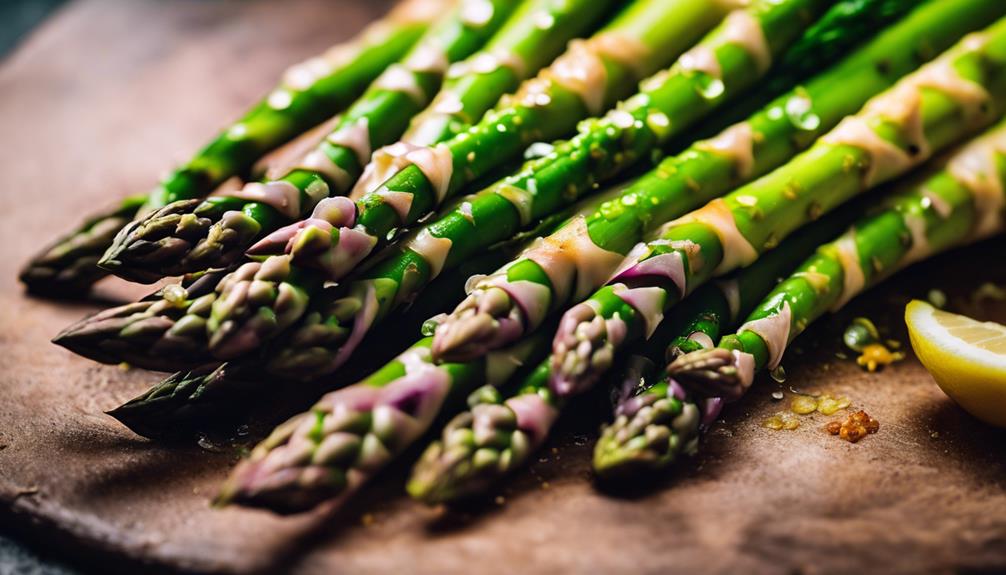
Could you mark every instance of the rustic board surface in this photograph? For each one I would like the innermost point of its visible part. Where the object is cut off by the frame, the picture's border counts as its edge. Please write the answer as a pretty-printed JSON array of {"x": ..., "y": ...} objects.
[{"x": 107, "y": 94}]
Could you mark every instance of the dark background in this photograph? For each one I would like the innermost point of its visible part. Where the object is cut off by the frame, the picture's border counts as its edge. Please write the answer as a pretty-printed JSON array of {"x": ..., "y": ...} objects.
[{"x": 18, "y": 17}]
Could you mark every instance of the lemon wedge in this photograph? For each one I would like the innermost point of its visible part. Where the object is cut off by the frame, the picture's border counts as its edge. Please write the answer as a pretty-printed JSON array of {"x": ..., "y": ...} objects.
[{"x": 967, "y": 358}]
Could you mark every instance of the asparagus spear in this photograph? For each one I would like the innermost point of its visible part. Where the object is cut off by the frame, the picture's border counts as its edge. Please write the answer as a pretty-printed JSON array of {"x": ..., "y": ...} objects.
[
  {"x": 351, "y": 434},
  {"x": 959, "y": 204},
  {"x": 163, "y": 331},
  {"x": 195, "y": 235},
  {"x": 925, "y": 112},
  {"x": 577, "y": 259},
  {"x": 242, "y": 317},
  {"x": 169, "y": 240},
  {"x": 647, "y": 433},
  {"x": 603, "y": 148},
  {"x": 309, "y": 92},
  {"x": 504, "y": 430}
]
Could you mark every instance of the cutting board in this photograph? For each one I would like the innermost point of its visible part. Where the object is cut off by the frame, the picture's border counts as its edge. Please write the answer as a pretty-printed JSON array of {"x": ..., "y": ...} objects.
[{"x": 109, "y": 94}]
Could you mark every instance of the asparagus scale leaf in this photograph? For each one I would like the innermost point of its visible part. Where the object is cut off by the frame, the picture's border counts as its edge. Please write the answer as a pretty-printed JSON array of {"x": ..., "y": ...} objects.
[
  {"x": 309, "y": 93},
  {"x": 945, "y": 100}
]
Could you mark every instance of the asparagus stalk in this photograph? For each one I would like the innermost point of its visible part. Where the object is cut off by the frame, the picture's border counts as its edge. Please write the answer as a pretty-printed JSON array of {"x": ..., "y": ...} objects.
[
  {"x": 959, "y": 204},
  {"x": 349, "y": 435},
  {"x": 603, "y": 149},
  {"x": 180, "y": 236},
  {"x": 925, "y": 112},
  {"x": 577, "y": 259},
  {"x": 647, "y": 433},
  {"x": 309, "y": 92},
  {"x": 533, "y": 37},
  {"x": 220, "y": 228},
  {"x": 504, "y": 430}
]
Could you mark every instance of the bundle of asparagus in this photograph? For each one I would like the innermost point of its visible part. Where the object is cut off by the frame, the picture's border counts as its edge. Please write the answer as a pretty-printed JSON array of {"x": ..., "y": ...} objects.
[
  {"x": 497, "y": 436},
  {"x": 290, "y": 276},
  {"x": 379, "y": 117},
  {"x": 193, "y": 235},
  {"x": 308, "y": 93},
  {"x": 959, "y": 204},
  {"x": 240, "y": 319},
  {"x": 927, "y": 111}
]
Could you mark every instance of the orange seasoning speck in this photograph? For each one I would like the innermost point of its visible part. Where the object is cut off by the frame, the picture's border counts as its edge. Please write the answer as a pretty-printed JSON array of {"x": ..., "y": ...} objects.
[{"x": 856, "y": 427}]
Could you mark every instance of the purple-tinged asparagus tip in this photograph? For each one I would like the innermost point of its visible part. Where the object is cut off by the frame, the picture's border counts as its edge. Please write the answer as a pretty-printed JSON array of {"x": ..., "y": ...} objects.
[
  {"x": 480, "y": 446},
  {"x": 145, "y": 246},
  {"x": 487, "y": 319},
  {"x": 715, "y": 372},
  {"x": 163, "y": 332},
  {"x": 344, "y": 440},
  {"x": 650, "y": 431},
  {"x": 582, "y": 350}
]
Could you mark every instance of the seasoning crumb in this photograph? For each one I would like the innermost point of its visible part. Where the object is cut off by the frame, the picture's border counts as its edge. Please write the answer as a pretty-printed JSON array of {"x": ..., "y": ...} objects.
[
  {"x": 500, "y": 500},
  {"x": 856, "y": 427},
  {"x": 545, "y": 485},
  {"x": 367, "y": 519},
  {"x": 876, "y": 355}
]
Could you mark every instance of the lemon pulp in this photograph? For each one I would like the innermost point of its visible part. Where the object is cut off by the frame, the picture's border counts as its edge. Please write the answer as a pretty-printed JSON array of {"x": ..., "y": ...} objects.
[{"x": 967, "y": 358}]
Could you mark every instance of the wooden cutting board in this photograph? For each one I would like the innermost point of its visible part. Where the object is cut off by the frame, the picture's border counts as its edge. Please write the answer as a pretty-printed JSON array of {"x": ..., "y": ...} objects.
[{"x": 108, "y": 94}]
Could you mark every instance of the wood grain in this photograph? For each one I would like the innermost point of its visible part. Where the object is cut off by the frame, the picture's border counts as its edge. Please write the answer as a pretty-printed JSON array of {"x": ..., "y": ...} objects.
[{"x": 109, "y": 93}]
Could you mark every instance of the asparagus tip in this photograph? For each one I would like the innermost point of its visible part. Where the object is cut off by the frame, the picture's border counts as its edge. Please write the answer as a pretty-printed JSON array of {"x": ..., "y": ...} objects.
[
  {"x": 488, "y": 319},
  {"x": 714, "y": 372},
  {"x": 647, "y": 437}
]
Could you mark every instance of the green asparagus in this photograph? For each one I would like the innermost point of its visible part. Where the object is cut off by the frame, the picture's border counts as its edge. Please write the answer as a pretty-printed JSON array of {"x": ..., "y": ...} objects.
[
  {"x": 242, "y": 317},
  {"x": 351, "y": 434},
  {"x": 959, "y": 204},
  {"x": 309, "y": 93},
  {"x": 218, "y": 230},
  {"x": 604, "y": 148},
  {"x": 723, "y": 65},
  {"x": 574, "y": 261},
  {"x": 945, "y": 100},
  {"x": 153, "y": 333},
  {"x": 164, "y": 241}
]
